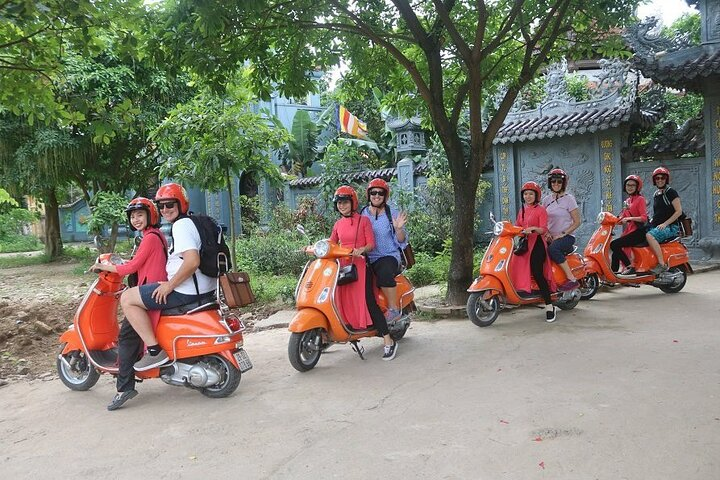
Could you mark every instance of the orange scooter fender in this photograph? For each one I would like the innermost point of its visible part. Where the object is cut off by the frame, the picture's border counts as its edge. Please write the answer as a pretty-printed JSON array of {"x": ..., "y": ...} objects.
[
  {"x": 486, "y": 283},
  {"x": 308, "y": 319},
  {"x": 592, "y": 266},
  {"x": 71, "y": 340}
]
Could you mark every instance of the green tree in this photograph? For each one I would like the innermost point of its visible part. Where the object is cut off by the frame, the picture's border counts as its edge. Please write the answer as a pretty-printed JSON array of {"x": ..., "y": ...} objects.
[
  {"x": 98, "y": 141},
  {"x": 441, "y": 57},
  {"x": 34, "y": 37},
  {"x": 211, "y": 138}
]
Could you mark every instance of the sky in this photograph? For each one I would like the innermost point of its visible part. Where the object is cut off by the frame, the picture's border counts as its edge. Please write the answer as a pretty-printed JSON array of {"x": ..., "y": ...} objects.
[{"x": 668, "y": 10}]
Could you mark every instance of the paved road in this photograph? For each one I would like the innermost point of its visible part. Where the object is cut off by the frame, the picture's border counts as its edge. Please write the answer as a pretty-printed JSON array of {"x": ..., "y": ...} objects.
[{"x": 626, "y": 386}]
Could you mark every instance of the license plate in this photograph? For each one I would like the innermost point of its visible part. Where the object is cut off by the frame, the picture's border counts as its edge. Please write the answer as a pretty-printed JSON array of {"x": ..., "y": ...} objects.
[{"x": 243, "y": 360}]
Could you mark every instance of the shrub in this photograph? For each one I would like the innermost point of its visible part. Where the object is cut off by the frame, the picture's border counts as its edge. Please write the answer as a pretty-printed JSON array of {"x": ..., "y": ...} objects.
[
  {"x": 272, "y": 253},
  {"x": 12, "y": 235}
]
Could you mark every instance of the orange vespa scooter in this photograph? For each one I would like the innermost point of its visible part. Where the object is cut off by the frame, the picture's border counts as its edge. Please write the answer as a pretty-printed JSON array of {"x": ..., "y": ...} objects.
[
  {"x": 204, "y": 342},
  {"x": 318, "y": 324},
  {"x": 597, "y": 256},
  {"x": 492, "y": 290}
]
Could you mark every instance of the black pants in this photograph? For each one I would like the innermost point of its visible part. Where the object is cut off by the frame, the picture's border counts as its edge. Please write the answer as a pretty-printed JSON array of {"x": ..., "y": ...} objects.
[
  {"x": 129, "y": 348},
  {"x": 636, "y": 237},
  {"x": 375, "y": 313},
  {"x": 537, "y": 264}
]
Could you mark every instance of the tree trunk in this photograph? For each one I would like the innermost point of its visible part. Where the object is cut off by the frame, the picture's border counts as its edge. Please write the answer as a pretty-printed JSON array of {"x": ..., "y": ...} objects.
[
  {"x": 461, "y": 260},
  {"x": 53, "y": 241},
  {"x": 228, "y": 181},
  {"x": 112, "y": 241}
]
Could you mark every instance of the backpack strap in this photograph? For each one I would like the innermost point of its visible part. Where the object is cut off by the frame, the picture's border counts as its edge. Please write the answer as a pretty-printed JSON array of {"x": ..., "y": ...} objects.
[{"x": 162, "y": 240}]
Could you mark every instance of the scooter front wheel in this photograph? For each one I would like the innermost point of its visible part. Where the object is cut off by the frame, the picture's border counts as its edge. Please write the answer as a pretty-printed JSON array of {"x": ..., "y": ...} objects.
[
  {"x": 229, "y": 377},
  {"x": 304, "y": 349},
  {"x": 589, "y": 286},
  {"x": 482, "y": 312},
  {"x": 76, "y": 371}
]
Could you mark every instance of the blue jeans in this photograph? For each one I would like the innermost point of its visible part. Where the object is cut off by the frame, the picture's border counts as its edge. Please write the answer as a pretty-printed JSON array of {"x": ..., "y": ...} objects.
[{"x": 561, "y": 247}]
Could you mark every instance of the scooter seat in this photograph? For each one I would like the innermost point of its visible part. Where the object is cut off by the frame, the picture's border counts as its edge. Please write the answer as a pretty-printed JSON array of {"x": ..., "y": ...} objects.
[{"x": 206, "y": 302}]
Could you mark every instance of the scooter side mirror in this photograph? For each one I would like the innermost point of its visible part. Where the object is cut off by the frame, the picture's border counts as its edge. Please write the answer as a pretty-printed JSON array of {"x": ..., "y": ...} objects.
[{"x": 492, "y": 218}]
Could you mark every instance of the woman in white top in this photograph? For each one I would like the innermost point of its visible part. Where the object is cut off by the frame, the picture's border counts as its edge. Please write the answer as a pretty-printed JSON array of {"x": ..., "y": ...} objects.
[{"x": 563, "y": 220}]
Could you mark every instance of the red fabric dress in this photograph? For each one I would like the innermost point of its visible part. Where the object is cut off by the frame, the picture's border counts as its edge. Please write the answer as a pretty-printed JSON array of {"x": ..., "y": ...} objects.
[
  {"x": 634, "y": 206},
  {"x": 149, "y": 263},
  {"x": 353, "y": 232},
  {"x": 535, "y": 216}
]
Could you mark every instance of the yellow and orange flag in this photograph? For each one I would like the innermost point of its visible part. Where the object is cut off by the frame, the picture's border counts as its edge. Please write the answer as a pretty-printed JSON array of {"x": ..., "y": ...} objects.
[{"x": 350, "y": 124}]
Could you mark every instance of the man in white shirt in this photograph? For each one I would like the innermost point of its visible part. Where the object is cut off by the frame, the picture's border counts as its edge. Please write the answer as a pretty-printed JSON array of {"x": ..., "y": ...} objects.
[{"x": 185, "y": 285}]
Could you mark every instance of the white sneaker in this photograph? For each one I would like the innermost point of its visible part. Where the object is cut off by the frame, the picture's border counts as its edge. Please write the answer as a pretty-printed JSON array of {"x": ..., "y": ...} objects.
[{"x": 551, "y": 316}]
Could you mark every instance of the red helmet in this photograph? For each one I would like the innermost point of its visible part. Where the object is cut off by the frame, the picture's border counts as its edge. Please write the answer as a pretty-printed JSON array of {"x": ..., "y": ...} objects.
[
  {"x": 637, "y": 179},
  {"x": 174, "y": 191},
  {"x": 535, "y": 187},
  {"x": 142, "y": 203},
  {"x": 557, "y": 173},
  {"x": 661, "y": 171},
  {"x": 346, "y": 192},
  {"x": 378, "y": 183}
]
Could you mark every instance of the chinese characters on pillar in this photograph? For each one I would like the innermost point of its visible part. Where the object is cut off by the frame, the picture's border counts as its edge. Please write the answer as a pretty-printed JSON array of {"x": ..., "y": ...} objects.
[
  {"x": 504, "y": 185},
  {"x": 716, "y": 168},
  {"x": 607, "y": 165}
]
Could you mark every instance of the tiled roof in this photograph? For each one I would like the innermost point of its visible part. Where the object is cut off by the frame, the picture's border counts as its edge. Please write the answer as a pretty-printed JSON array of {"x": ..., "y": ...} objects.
[
  {"x": 357, "y": 177},
  {"x": 675, "y": 142},
  {"x": 683, "y": 69},
  {"x": 565, "y": 124}
]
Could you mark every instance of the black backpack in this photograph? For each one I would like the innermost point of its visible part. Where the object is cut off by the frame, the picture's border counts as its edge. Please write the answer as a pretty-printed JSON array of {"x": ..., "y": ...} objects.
[{"x": 212, "y": 245}]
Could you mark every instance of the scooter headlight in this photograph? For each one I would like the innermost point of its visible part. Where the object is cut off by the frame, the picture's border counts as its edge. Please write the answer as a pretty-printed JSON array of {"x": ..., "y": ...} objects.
[
  {"x": 600, "y": 218},
  {"x": 321, "y": 248},
  {"x": 498, "y": 228}
]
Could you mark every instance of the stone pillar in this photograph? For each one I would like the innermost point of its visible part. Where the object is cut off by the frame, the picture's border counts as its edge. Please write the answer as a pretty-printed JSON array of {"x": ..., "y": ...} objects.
[
  {"x": 268, "y": 199},
  {"x": 406, "y": 174},
  {"x": 709, "y": 225},
  {"x": 505, "y": 194},
  {"x": 709, "y": 21}
]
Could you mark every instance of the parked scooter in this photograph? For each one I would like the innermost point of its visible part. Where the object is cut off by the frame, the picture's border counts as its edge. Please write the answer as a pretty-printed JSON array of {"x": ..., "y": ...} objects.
[
  {"x": 204, "y": 342},
  {"x": 493, "y": 290},
  {"x": 597, "y": 256},
  {"x": 317, "y": 323}
]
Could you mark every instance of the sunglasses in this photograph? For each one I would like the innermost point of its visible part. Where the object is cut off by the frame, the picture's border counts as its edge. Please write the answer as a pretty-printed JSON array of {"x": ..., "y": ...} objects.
[
  {"x": 556, "y": 181},
  {"x": 166, "y": 205},
  {"x": 634, "y": 185},
  {"x": 377, "y": 193}
]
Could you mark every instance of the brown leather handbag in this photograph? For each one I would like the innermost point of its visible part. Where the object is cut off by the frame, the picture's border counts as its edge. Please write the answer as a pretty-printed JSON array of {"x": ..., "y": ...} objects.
[{"x": 236, "y": 289}]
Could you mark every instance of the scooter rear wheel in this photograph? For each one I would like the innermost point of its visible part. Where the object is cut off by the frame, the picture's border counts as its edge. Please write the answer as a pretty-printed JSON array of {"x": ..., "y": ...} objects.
[
  {"x": 304, "y": 349},
  {"x": 76, "y": 371},
  {"x": 482, "y": 312},
  {"x": 230, "y": 378},
  {"x": 675, "y": 288}
]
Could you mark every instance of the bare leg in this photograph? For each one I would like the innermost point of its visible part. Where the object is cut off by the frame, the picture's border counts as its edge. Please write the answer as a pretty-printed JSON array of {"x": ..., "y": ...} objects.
[
  {"x": 136, "y": 313},
  {"x": 568, "y": 273},
  {"x": 655, "y": 246},
  {"x": 391, "y": 296}
]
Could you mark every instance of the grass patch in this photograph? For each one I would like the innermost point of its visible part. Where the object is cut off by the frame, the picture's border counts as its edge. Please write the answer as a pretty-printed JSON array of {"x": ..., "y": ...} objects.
[
  {"x": 270, "y": 288},
  {"x": 22, "y": 261}
]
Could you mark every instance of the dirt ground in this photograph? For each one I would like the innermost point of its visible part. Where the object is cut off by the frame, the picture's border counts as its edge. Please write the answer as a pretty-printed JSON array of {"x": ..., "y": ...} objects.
[{"x": 37, "y": 303}]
